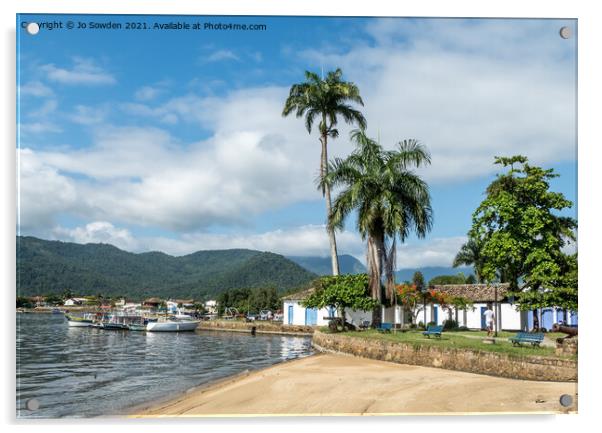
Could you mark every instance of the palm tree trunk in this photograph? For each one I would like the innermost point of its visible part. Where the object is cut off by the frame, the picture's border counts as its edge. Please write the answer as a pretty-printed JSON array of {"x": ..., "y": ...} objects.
[
  {"x": 375, "y": 252},
  {"x": 331, "y": 236}
]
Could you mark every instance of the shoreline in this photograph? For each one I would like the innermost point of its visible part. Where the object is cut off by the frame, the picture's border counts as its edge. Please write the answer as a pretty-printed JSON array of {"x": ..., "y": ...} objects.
[{"x": 343, "y": 385}]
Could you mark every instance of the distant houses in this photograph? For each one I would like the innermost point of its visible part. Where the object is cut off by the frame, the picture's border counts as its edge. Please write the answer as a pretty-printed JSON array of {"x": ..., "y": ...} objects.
[{"x": 507, "y": 315}]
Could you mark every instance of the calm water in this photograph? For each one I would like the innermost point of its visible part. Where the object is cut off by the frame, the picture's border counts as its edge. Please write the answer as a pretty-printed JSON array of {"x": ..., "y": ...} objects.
[{"x": 82, "y": 372}]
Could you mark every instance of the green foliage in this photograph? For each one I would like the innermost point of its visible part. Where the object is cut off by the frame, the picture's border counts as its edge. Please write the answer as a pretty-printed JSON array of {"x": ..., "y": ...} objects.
[
  {"x": 249, "y": 300},
  {"x": 52, "y": 299},
  {"x": 57, "y": 267},
  {"x": 470, "y": 254},
  {"x": 459, "y": 278},
  {"x": 418, "y": 281},
  {"x": 449, "y": 324},
  {"x": 390, "y": 199},
  {"x": 522, "y": 236},
  {"x": 341, "y": 292},
  {"x": 23, "y": 302}
]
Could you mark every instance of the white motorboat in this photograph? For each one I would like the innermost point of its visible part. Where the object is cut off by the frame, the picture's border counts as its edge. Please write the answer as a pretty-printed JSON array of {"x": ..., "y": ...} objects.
[
  {"x": 172, "y": 325},
  {"x": 79, "y": 322}
]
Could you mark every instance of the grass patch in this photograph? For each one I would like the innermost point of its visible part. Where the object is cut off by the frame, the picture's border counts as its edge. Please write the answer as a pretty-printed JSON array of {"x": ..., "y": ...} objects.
[
  {"x": 456, "y": 341},
  {"x": 506, "y": 334}
]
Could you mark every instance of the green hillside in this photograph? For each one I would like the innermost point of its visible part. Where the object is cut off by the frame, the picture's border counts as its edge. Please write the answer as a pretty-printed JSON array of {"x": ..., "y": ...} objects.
[{"x": 45, "y": 267}]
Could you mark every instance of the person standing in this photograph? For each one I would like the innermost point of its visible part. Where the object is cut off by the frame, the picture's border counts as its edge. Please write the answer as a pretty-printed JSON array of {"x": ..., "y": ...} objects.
[{"x": 489, "y": 318}]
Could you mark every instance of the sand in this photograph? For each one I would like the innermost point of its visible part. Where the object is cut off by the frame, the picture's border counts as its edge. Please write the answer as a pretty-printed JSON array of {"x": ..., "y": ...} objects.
[{"x": 328, "y": 384}]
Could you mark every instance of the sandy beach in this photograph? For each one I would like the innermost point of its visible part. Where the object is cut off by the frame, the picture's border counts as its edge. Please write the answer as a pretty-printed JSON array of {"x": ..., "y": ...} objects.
[{"x": 329, "y": 384}]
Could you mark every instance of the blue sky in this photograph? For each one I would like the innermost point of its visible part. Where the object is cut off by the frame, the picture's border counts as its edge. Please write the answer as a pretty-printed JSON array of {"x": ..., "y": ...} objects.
[{"x": 173, "y": 140}]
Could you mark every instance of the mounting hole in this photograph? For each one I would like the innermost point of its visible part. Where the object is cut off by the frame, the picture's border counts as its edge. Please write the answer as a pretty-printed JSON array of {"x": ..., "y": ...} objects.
[
  {"x": 565, "y": 32},
  {"x": 32, "y": 404},
  {"x": 566, "y": 400},
  {"x": 32, "y": 28}
]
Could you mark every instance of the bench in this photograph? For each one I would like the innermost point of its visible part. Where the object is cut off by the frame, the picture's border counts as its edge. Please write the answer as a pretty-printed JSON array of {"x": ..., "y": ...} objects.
[
  {"x": 385, "y": 327},
  {"x": 433, "y": 330},
  {"x": 534, "y": 339}
]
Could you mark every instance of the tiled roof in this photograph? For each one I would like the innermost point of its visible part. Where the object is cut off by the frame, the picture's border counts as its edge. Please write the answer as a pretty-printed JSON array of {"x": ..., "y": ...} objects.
[
  {"x": 475, "y": 292},
  {"x": 299, "y": 296},
  {"x": 152, "y": 301}
]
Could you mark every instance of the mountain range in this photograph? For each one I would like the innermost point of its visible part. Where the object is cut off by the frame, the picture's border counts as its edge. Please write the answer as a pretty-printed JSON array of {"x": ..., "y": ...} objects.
[
  {"x": 45, "y": 267},
  {"x": 54, "y": 267}
]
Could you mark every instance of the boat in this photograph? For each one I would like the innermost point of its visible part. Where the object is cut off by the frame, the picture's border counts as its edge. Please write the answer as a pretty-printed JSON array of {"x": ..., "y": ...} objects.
[
  {"x": 79, "y": 322},
  {"x": 172, "y": 325},
  {"x": 137, "y": 327}
]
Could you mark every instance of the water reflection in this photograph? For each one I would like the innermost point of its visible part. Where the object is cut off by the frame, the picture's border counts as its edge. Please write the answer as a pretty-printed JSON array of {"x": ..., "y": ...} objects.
[{"x": 76, "y": 372}]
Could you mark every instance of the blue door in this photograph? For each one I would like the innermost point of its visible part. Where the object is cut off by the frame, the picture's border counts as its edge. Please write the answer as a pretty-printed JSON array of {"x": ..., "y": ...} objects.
[
  {"x": 436, "y": 315},
  {"x": 311, "y": 316},
  {"x": 483, "y": 322},
  {"x": 547, "y": 318},
  {"x": 574, "y": 318},
  {"x": 290, "y": 314}
]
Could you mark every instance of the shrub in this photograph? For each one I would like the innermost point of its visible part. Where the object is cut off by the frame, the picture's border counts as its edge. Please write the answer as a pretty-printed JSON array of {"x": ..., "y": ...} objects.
[{"x": 450, "y": 324}]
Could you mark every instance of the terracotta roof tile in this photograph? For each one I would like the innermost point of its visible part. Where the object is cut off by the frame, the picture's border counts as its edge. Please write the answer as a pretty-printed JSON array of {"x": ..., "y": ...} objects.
[{"x": 475, "y": 292}]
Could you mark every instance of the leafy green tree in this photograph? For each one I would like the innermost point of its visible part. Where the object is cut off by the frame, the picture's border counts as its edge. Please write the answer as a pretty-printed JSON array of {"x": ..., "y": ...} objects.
[
  {"x": 470, "y": 255},
  {"x": 53, "y": 299},
  {"x": 471, "y": 279},
  {"x": 522, "y": 236},
  {"x": 459, "y": 278},
  {"x": 342, "y": 292},
  {"x": 418, "y": 280},
  {"x": 23, "y": 302},
  {"x": 325, "y": 99},
  {"x": 390, "y": 199}
]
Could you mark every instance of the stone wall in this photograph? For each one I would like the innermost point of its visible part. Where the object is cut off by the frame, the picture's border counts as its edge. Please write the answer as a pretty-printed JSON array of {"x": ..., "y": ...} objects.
[
  {"x": 567, "y": 346},
  {"x": 473, "y": 361},
  {"x": 260, "y": 327}
]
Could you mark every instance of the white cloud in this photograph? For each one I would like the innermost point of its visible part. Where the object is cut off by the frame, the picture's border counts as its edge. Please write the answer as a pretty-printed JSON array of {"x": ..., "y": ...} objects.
[
  {"x": 220, "y": 55},
  {"x": 87, "y": 115},
  {"x": 469, "y": 90},
  {"x": 433, "y": 252},
  {"x": 84, "y": 71},
  {"x": 42, "y": 192},
  {"x": 35, "y": 88},
  {"x": 42, "y": 127},
  {"x": 98, "y": 232},
  {"x": 308, "y": 240}
]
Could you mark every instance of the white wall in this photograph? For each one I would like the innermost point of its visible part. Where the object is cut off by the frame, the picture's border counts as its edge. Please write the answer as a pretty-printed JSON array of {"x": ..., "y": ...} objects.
[{"x": 352, "y": 316}]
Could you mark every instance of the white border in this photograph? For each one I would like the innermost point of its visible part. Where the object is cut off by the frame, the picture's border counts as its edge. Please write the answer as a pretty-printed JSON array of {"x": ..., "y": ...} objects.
[{"x": 590, "y": 243}]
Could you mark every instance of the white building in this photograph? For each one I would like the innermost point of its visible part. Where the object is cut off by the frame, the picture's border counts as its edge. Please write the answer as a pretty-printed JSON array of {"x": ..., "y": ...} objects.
[
  {"x": 296, "y": 314},
  {"x": 506, "y": 312},
  {"x": 508, "y": 317},
  {"x": 74, "y": 301},
  {"x": 211, "y": 307}
]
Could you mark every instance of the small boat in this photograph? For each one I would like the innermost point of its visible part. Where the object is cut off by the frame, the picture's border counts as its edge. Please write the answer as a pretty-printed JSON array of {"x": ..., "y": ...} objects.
[
  {"x": 137, "y": 327},
  {"x": 111, "y": 326},
  {"x": 79, "y": 322},
  {"x": 56, "y": 311},
  {"x": 172, "y": 325}
]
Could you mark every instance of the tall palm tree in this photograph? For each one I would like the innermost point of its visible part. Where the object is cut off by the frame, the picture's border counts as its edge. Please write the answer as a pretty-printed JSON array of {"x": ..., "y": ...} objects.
[
  {"x": 470, "y": 255},
  {"x": 325, "y": 99},
  {"x": 390, "y": 199}
]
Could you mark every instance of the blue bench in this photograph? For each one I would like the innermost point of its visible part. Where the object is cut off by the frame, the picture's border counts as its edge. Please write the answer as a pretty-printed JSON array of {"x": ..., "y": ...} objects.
[
  {"x": 385, "y": 327},
  {"x": 534, "y": 339},
  {"x": 433, "y": 330}
]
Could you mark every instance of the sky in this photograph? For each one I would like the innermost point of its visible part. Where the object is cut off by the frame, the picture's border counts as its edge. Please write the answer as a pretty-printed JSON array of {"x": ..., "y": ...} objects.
[{"x": 173, "y": 140}]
